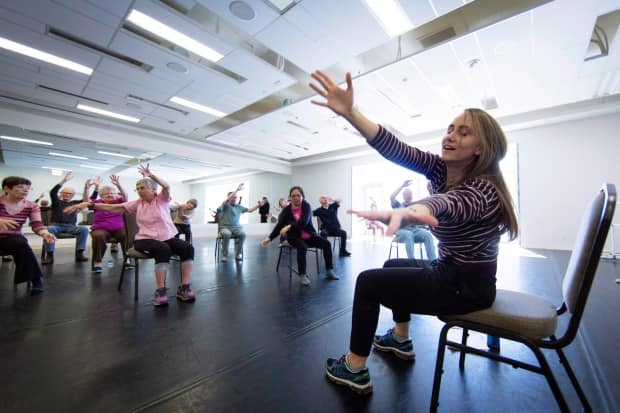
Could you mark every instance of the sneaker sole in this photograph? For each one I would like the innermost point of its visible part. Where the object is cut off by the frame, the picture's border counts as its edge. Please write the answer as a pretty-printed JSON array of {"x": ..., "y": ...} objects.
[
  {"x": 361, "y": 390},
  {"x": 189, "y": 300},
  {"x": 398, "y": 353},
  {"x": 161, "y": 305}
]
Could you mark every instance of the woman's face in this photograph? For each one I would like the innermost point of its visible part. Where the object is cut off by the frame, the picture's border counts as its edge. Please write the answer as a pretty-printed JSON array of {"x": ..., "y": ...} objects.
[
  {"x": 18, "y": 192},
  {"x": 296, "y": 197},
  {"x": 108, "y": 196},
  {"x": 145, "y": 192},
  {"x": 461, "y": 145}
]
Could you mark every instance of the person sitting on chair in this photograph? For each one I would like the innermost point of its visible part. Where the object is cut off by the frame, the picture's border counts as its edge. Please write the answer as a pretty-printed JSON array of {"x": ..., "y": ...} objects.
[
  {"x": 412, "y": 233},
  {"x": 62, "y": 222},
  {"x": 327, "y": 214},
  {"x": 229, "y": 223},
  {"x": 156, "y": 232},
  {"x": 182, "y": 214},
  {"x": 295, "y": 223},
  {"x": 14, "y": 210},
  {"x": 106, "y": 224}
]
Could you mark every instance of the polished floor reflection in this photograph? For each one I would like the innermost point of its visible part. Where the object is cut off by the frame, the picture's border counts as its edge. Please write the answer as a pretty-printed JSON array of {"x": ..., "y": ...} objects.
[{"x": 257, "y": 341}]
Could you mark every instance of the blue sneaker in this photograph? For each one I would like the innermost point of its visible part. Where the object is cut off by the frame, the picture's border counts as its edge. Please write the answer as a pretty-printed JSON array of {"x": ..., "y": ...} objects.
[
  {"x": 388, "y": 343},
  {"x": 337, "y": 371}
]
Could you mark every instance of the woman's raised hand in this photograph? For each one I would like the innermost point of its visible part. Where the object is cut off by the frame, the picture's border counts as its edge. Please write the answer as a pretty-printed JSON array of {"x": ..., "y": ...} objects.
[
  {"x": 144, "y": 170},
  {"x": 337, "y": 99}
]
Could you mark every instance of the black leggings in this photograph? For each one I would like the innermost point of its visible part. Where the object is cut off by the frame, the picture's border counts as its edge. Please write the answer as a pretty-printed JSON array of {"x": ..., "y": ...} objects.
[
  {"x": 185, "y": 229},
  {"x": 337, "y": 233},
  {"x": 162, "y": 250},
  {"x": 302, "y": 248},
  {"x": 415, "y": 286},
  {"x": 26, "y": 265}
]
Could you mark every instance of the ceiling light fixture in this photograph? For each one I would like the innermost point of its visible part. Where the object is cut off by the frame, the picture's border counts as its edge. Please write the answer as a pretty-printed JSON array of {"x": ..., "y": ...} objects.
[
  {"x": 120, "y": 155},
  {"x": 197, "y": 106},
  {"x": 12, "y": 138},
  {"x": 43, "y": 56},
  {"x": 107, "y": 113},
  {"x": 166, "y": 32},
  {"x": 64, "y": 155},
  {"x": 100, "y": 168},
  {"x": 391, "y": 16},
  {"x": 281, "y": 5}
]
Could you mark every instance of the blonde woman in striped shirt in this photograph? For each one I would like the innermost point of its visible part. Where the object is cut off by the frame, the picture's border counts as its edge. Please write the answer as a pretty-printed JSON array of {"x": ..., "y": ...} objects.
[{"x": 468, "y": 210}]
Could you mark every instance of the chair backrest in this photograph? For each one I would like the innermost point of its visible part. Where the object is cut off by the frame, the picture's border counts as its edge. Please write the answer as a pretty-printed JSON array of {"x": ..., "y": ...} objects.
[
  {"x": 131, "y": 229},
  {"x": 586, "y": 255},
  {"x": 46, "y": 215}
]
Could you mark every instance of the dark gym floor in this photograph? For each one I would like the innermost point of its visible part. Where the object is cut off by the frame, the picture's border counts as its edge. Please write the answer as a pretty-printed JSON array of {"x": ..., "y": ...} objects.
[{"x": 256, "y": 341}]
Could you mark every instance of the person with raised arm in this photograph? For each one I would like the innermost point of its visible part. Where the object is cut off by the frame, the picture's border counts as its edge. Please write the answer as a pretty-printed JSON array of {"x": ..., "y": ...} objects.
[
  {"x": 468, "y": 210},
  {"x": 229, "y": 226},
  {"x": 156, "y": 233}
]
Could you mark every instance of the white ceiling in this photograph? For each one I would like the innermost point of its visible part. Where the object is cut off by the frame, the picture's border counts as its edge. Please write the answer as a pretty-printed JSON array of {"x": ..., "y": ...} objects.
[{"x": 525, "y": 55}]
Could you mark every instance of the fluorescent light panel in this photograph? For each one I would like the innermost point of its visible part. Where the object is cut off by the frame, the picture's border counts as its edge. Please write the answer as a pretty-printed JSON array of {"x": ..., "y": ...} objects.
[
  {"x": 64, "y": 155},
  {"x": 120, "y": 155},
  {"x": 100, "y": 168},
  {"x": 197, "y": 106},
  {"x": 107, "y": 113},
  {"x": 12, "y": 138},
  {"x": 43, "y": 56},
  {"x": 166, "y": 32},
  {"x": 391, "y": 16}
]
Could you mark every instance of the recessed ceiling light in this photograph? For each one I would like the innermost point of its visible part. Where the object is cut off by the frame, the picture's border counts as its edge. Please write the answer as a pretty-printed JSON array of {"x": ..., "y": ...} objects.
[
  {"x": 119, "y": 155},
  {"x": 100, "y": 168},
  {"x": 177, "y": 67},
  {"x": 43, "y": 56},
  {"x": 64, "y": 155},
  {"x": 166, "y": 32},
  {"x": 12, "y": 138},
  {"x": 107, "y": 113},
  {"x": 197, "y": 106},
  {"x": 242, "y": 10},
  {"x": 391, "y": 16}
]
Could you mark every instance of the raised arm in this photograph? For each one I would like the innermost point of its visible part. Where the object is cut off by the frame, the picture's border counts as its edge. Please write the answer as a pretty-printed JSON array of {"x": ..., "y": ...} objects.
[
  {"x": 254, "y": 208},
  {"x": 341, "y": 102},
  {"x": 115, "y": 179},
  {"x": 87, "y": 184},
  {"x": 233, "y": 193},
  {"x": 405, "y": 184},
  {"x": 146, "y": 172}
]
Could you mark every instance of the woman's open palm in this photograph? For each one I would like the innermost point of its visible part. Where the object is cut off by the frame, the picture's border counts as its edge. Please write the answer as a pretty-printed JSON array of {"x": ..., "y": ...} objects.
[{"x": 337, "y": 99}]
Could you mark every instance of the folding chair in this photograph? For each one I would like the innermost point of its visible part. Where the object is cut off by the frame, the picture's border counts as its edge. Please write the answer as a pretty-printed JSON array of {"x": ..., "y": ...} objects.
[
  {"x": 395, "y": 244},
  {"x": 287, "y": 248},
  {"x": 532, "y": 320},
  {"x": 334, "y": 239},
  {"x": 46, "y": 217}
]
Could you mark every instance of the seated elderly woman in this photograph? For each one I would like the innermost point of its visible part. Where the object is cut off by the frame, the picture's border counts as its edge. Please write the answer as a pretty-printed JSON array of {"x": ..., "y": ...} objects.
[
  {"x": 14, "y": 210},
  {"x": 295, "y": 223},
  {"x": 106, "y": 224},
  {"x": 156, "y": 233}
]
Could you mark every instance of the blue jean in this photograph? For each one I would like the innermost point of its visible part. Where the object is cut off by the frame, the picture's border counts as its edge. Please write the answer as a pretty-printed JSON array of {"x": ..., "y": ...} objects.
[
  {"x": 81, "y": 235},
  {"x": 410, "y": 235}
]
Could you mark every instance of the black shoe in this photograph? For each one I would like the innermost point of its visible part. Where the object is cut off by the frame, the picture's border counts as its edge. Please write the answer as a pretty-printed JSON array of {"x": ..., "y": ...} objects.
[
  {"x": 37, "y": 287},
  {"x": 345, "y": 253},
  {"x": 80, "y": 257},
  {"x": 49, "y": 259}
]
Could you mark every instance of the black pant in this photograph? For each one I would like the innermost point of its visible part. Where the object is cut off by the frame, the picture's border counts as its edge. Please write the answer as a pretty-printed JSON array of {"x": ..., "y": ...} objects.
[
  {"x": 185, "y": 229},
  {"x": 415, "y": 286},
  {"x": 302, "y": 248},
  {"x": 162, "y": 250},
  {"x": 263, "y": 218},
  {"x": 338, "y": 232},
  {"x": 26, "y": 265}
]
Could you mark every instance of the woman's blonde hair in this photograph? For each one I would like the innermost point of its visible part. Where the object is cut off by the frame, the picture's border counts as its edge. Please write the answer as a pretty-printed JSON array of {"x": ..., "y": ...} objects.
[{"x": 493, "y": 146}]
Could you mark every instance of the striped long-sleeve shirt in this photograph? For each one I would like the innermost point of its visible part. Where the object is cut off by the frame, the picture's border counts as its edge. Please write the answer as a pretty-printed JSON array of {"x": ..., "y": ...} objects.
[
  {"x": 30, "y": 211},
  {"x": 469, "y": 214}
]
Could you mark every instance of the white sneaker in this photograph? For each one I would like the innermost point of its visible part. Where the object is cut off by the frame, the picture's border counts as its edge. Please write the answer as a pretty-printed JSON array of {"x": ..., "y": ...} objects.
[
  {"x": 331, "y": 275},
  {"x": 304, "y": 280}
]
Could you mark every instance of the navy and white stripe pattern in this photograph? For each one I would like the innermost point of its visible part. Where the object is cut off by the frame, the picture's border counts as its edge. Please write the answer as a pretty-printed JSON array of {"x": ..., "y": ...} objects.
[{"x": 469, "y": 215}]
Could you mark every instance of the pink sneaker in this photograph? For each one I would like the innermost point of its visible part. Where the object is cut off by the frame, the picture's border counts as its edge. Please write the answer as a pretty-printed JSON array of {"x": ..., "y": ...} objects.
[
  {"x": 185, "y": 294},
  {"x": 161, "y": 299}
]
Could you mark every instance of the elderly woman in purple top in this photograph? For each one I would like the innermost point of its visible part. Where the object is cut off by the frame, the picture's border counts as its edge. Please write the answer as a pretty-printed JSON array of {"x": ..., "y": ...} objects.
[
  {"x": 14, "y": 210},
  {"x": 156, "y": 233},
  {"x": 106, "y": 224},
  {"x": 468, "y": 210}
]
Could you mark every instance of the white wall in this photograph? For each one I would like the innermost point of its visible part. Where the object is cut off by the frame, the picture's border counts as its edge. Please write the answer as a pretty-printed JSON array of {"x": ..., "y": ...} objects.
[{"x": 561, "y": 166}]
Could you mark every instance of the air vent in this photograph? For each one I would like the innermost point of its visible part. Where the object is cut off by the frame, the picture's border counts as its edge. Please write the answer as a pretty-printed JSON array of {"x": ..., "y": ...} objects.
[
  {"x": 74, "y": 95},
  {"x": 182, "y": 52},
  {"x": 99, "y": 49},
  {"x": 152, "y": 102},
  {"x": 603, "y": 33},
  {"x": 439, "y": 37}
]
